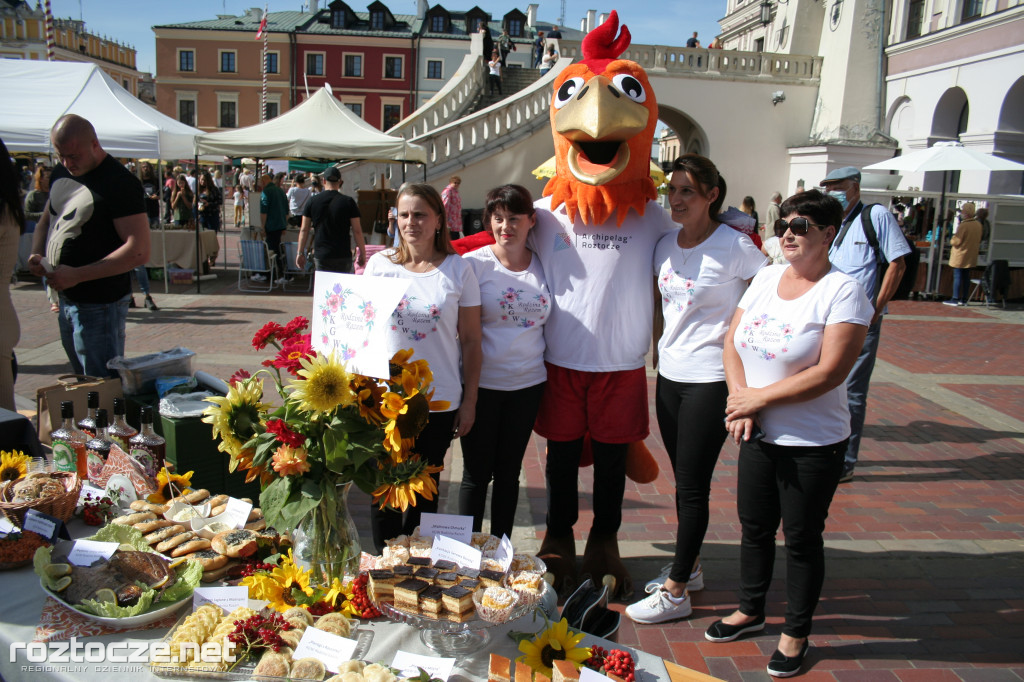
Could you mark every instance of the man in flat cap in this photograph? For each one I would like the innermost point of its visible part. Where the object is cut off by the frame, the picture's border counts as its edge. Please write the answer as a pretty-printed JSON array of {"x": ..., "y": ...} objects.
[
  {"x": 858, "y": 255},
  {"x": 334, "y": 218}
]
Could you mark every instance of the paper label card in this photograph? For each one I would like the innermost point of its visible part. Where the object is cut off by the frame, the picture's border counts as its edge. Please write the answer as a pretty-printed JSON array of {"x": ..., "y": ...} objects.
[
  {"x": 228, "y": 598},
  {"x": 588, "y": 675},
  {"x": 87, "y": 552},
  {"x": 450, "y": 525},
  {"x": 329, "y": 649},
  {"x": 50, "y": 527},
  {"x": 447, "y": 549},
  {"x": 503, "y": 555},
  {"x": 407, "y": 663},
  {"x": 237, "y": 512},
  {"x": 350, "y": 318}
]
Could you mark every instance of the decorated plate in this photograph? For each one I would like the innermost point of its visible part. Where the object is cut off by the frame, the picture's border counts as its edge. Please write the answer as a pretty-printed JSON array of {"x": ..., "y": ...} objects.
[{"x": 128, "y": 622}]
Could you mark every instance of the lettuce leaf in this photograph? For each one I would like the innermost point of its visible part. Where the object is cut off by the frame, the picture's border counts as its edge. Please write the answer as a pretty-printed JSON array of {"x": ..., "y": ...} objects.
[
  {"x": 123, "y": 535},
  {"x": 109, "y": 609},
  {"x": 190, "y": 574}
]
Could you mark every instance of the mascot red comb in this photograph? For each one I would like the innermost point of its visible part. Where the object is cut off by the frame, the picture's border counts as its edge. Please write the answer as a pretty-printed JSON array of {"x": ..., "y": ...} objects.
[{"x": 596, "y": 237}]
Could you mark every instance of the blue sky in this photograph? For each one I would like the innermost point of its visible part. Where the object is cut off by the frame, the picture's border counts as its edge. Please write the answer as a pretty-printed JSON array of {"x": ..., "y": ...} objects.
[{"x": 129, "y": 21}]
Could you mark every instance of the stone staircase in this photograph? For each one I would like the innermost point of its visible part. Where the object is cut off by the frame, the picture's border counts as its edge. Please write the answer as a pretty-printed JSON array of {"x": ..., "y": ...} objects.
[{"x": 513, "y": 80}]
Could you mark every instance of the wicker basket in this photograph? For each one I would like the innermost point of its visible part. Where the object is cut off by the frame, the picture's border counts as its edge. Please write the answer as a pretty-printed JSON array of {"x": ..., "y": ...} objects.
[{"x": 59, "y": 506}]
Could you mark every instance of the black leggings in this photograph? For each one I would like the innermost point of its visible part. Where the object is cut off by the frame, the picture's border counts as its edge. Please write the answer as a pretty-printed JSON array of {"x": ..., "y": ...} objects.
[
  {"x": 431, "y": 445},
  {"x": 562, "y": 476},
  {"x": 494, "y": 450},
  {"x": 690, "y": 417},
  {"x": 794, "y": 485}
]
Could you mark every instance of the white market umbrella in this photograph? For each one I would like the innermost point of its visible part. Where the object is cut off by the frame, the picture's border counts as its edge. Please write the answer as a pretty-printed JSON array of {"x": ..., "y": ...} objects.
[{"x": 945, "y": 157}]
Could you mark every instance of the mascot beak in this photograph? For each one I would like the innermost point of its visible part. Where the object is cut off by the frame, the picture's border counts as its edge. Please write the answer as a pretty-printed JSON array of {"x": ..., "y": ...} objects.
[{"x": 598, "y": 123}]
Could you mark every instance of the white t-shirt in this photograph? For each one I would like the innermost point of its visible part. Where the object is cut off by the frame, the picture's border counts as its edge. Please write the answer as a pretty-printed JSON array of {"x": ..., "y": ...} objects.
[
  {"x": 600, "y": 278},
  {"x": 700, "y": 288},
  {"x": 427, "y": 317},
  {"x": 777, "y": 339},
  {"x": 515, "y": 307},
  {"x": 297, "y": 198}
]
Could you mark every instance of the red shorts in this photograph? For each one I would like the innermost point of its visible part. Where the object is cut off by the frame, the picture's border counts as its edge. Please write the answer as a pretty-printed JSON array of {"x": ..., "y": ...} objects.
[{"x": 612, "y": 406}]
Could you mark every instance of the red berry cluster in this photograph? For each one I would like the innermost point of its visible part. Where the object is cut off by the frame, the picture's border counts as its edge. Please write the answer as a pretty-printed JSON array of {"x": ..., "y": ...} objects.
[
  {"x": 616, "y": 662},
  {"x": 259, "y": 632},
  {"x": 96, "y": 511},
  {"x": 361, "y": 599},
  {"x": 253, "y": 567},
  {"x": 320, "y": 608}
]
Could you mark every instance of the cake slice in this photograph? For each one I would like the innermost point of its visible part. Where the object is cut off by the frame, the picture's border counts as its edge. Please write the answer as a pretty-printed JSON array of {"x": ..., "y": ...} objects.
[
  {"x": 430, "y": 600},
  {"x": 457, "y": 600},
  {"x": 426, "y": 573},
  {"x": 563, "y": 671},
  {"x": 538, "y": 676},
  {"x": 491, "y": 578},
  {"x": 445, "y": 565},
  {"x": 499, "y": 669},
  {"x": 446, "y": 579},
  {"x": 407, "y": 594},
  {"x": 524, "y": 673},
  {"x": 382, "y": 583}
]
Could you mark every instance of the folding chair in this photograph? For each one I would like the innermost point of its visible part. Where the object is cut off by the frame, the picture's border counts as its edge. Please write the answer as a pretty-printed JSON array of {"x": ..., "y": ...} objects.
[
  {"x": 256, "y": 260},
  {"x": 291, "y": 249}
]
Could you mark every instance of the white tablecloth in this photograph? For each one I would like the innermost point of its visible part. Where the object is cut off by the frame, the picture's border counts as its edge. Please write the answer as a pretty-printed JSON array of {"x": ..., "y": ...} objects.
[{"x": 180, "y": 248}]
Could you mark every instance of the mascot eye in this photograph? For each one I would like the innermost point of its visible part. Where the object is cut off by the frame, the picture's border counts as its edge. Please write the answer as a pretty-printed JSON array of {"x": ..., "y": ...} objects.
[
  {"x": 567, "y": 90},
  {"x": 630, "y": 86}
]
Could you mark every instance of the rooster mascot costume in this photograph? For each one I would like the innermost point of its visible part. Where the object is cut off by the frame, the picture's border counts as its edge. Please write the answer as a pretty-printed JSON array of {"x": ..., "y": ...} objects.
[{"x": 595, "y": 237}]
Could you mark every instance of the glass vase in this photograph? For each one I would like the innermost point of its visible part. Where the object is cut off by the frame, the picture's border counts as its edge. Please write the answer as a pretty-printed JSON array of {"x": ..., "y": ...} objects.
[{"x": 327, "y": 540}]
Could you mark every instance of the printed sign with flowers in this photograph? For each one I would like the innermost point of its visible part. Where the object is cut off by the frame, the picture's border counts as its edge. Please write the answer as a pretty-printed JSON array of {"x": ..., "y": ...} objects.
[{"x": 334, "y": 428}]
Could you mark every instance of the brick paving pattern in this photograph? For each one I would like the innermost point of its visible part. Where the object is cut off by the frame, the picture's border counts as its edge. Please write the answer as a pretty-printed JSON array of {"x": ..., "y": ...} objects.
[{"x": 925, "y": 547}]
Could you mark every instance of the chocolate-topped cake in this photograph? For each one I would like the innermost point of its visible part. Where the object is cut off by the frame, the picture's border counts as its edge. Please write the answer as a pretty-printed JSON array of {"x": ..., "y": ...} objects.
[
  {"x": 426, "y": 573},
  {"x": 418, "y": 561},
  {"x": 407, "y": 594},
  {"x": 445, "y": 565}
]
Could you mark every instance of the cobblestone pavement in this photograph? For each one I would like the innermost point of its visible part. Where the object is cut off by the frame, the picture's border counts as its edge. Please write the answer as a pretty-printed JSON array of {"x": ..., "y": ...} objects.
[{"x": 925, "y": 547}]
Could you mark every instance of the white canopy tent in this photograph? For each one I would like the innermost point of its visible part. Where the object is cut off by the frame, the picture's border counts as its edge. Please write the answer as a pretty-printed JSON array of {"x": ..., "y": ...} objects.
[
  {"x": 319, "y": 128},
  {"x": 36, "y": 94}
]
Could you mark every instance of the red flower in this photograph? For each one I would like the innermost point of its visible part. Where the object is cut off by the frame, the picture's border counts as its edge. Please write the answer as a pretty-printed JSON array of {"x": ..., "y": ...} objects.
[
  {"x": 298, "y": 324},
  {"x": 238, "y": 376},
  {"x": 279, "y": 428},
  {"x": 292, "y": 351},
  {"x": 266, "y": 335}
]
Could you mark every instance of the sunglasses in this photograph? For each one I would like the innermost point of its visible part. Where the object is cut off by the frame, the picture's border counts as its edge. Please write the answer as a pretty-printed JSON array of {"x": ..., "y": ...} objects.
[{"x": 798, "y": 226}]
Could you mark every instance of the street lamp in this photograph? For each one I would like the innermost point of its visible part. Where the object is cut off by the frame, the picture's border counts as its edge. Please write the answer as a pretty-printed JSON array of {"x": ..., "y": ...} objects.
[{"x": 766, "y": 13}]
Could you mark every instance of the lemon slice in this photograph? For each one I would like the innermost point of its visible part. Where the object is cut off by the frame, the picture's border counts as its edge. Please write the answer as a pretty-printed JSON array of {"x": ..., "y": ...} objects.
[
  {"x": 105, "y": 594},
  {"x": 178, "y": 562},
  {"x": 55, "y": 571},
  {"x": 61, "y": 584}
]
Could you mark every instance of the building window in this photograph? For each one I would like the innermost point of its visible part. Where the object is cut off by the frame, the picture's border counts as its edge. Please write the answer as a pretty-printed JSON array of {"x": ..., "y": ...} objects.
[
  {"x": 759, "y": 45},
  {"x": 435, "y": 68},
  {"x": 124, "y": 83},
  {"x": 314, "y": 64},
  {"x": 515, "y": 28},
  {"x": 972, "y": 10},
  {"x": 356, "y": 108},
  {"x": 273, "y": 110},
  {"x": 186, "y": 60},
  {"x": 337, "y": 19},
  {"x": 228, "y": 114},
  {"x": 227, "y": 61},
  {"x": 187, "y": 111},
  {"x": 392, "y": 67},
  {"x": 392, "y": 115},
  {"x": 272, "y": 66},
  {"x": 353, "y": 66},
  {"x": 377, "y": 21},
  {"x": 437, "y": 23},
  {"x": 915, "y": 19}
]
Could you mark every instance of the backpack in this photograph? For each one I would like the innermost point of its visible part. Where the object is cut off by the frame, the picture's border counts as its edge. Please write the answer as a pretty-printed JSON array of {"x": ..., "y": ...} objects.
[{"x": 912, "y": 260}]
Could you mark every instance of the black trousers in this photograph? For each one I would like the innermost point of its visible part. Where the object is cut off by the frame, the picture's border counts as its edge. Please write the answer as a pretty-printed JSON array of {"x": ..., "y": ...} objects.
[
  {"x": 794, "y": 485},
  {"x": 431, "y": 445},
  {"x": 562, "y": 482},
  {"x": 690, "y": 417},
  {"x": 273, "y": 240},
  {"x": 493, "y": 451},
  {"x": 342, "y": 265}
]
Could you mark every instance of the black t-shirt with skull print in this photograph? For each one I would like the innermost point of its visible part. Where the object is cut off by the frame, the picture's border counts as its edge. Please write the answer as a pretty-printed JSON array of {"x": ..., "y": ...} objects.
[{"x": 82, "y": 214}]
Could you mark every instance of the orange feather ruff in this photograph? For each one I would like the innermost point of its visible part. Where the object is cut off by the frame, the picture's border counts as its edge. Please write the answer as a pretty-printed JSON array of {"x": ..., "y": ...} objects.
[{"x": 633, "y": 187}]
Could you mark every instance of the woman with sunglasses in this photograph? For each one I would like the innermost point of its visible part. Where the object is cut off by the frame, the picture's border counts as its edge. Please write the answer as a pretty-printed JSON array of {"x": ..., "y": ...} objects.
[
  {"x": 793, "y": 340},
  {"x": 702, "y": 270}
]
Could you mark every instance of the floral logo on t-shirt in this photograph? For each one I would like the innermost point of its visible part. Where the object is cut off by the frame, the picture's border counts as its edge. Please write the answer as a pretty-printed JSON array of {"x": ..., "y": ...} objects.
[
  {"x": 522, "y": 311},
  {"x": 410, "y": 320},
  {"x": 763, "y": 331},
  {"x": 677, "y": 290}
]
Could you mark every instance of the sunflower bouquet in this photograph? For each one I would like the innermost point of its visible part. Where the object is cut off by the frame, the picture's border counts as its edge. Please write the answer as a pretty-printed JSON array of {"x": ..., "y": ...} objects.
[{"x": 334, "y": 428}]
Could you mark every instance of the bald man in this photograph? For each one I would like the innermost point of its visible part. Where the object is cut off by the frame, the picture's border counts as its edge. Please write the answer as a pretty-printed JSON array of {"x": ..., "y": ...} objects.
[{"x": 92, "y": 233}]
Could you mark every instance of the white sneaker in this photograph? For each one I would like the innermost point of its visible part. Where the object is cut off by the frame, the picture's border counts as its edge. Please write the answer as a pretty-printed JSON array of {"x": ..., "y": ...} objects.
[
  {"x": 695, "y": 583},
  {"x": 258, "y": 278},
  {"x": 658, "y": 607},
  {"x": 284, "y": 280}
]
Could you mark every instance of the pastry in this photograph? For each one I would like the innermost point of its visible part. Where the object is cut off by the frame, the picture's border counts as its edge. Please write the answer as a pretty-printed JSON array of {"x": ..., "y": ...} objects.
[
  {"x": 235, "y": 543},
  {"x": 430, "y": 600},
  {"x": 524, "y": 673},
  {"x": 132, "y": 519},
  {"x": 446, "y": 579},
  {"x": 381, "y": 583},
  {"x": 143, "y": 506},
  {"x": 426, "y": 573},
  {"x": 421, "y": 547},
  {"x": 165, "y": 533},
  {"x": 407, "y": 594},
  {"x": 471, "y": 584},
  {"x": 196, "y": 544},
  {"x": 491, "y": 565},
  {"x": 272, "y": 665},
  {"x": 257, "y": 525},
  {"x": 466, "y": 572},
  {"x": 193, "y": 497},
  {"x": 498, "y": 598},
  {"x": 499, "y": 669},
  {"x": 457, "y": 599},
  {"x": 445, "y": 565},
  {"x": 216, "y": 574},
  {"x": 335, "y": 623},
  {"x": 298, "y": 612},
  {"x": 563, "y": 671},
  {"x": 175, "y": 540},
  {"x": 460, "y": 617},
  {"x": 491, "y": 578},
  {"x": 307, "y": 669},
  {"x": 395, "y": 555},
  {"x": 402, "y": 572},
  {"x": 217, "y": 500},
  {"x": 209, "y": 559},
  {"x": 418, "y": 562},
  {"x": 150, "y": 526},
  {"x": 522, "y": 562},
  {"x": 526, "y": 582},
  {"x": 255, "y": 514},
  {"x": 291, "y": 637}
]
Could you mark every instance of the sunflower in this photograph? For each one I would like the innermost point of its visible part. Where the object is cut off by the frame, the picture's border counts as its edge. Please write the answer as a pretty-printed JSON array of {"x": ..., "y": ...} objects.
[
  {"x": 236, "y": 415},
  {"x": 279, "y": 585},
  {"x": 169, "y": 485},
  {"x": 289, "y": 461},
  {"x": 13, "y": 465},
  {"x": 325, "y": 385},
  {"x": 407, "y": 481},
  {"x": 340, "y": 595},
  {"x": 558, "y": 642},
  {"x": 368, "y": 399}
]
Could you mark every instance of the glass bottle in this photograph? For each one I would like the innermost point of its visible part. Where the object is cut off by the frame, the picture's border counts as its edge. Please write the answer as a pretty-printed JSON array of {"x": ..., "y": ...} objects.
[
  {"x": 146, "y": 447},
  {"x": 69, "y": 443},
  {"x": 119, "y": 430},
  {"x": 98, "y": 448},
  {"x": 88, "y": 422}
]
